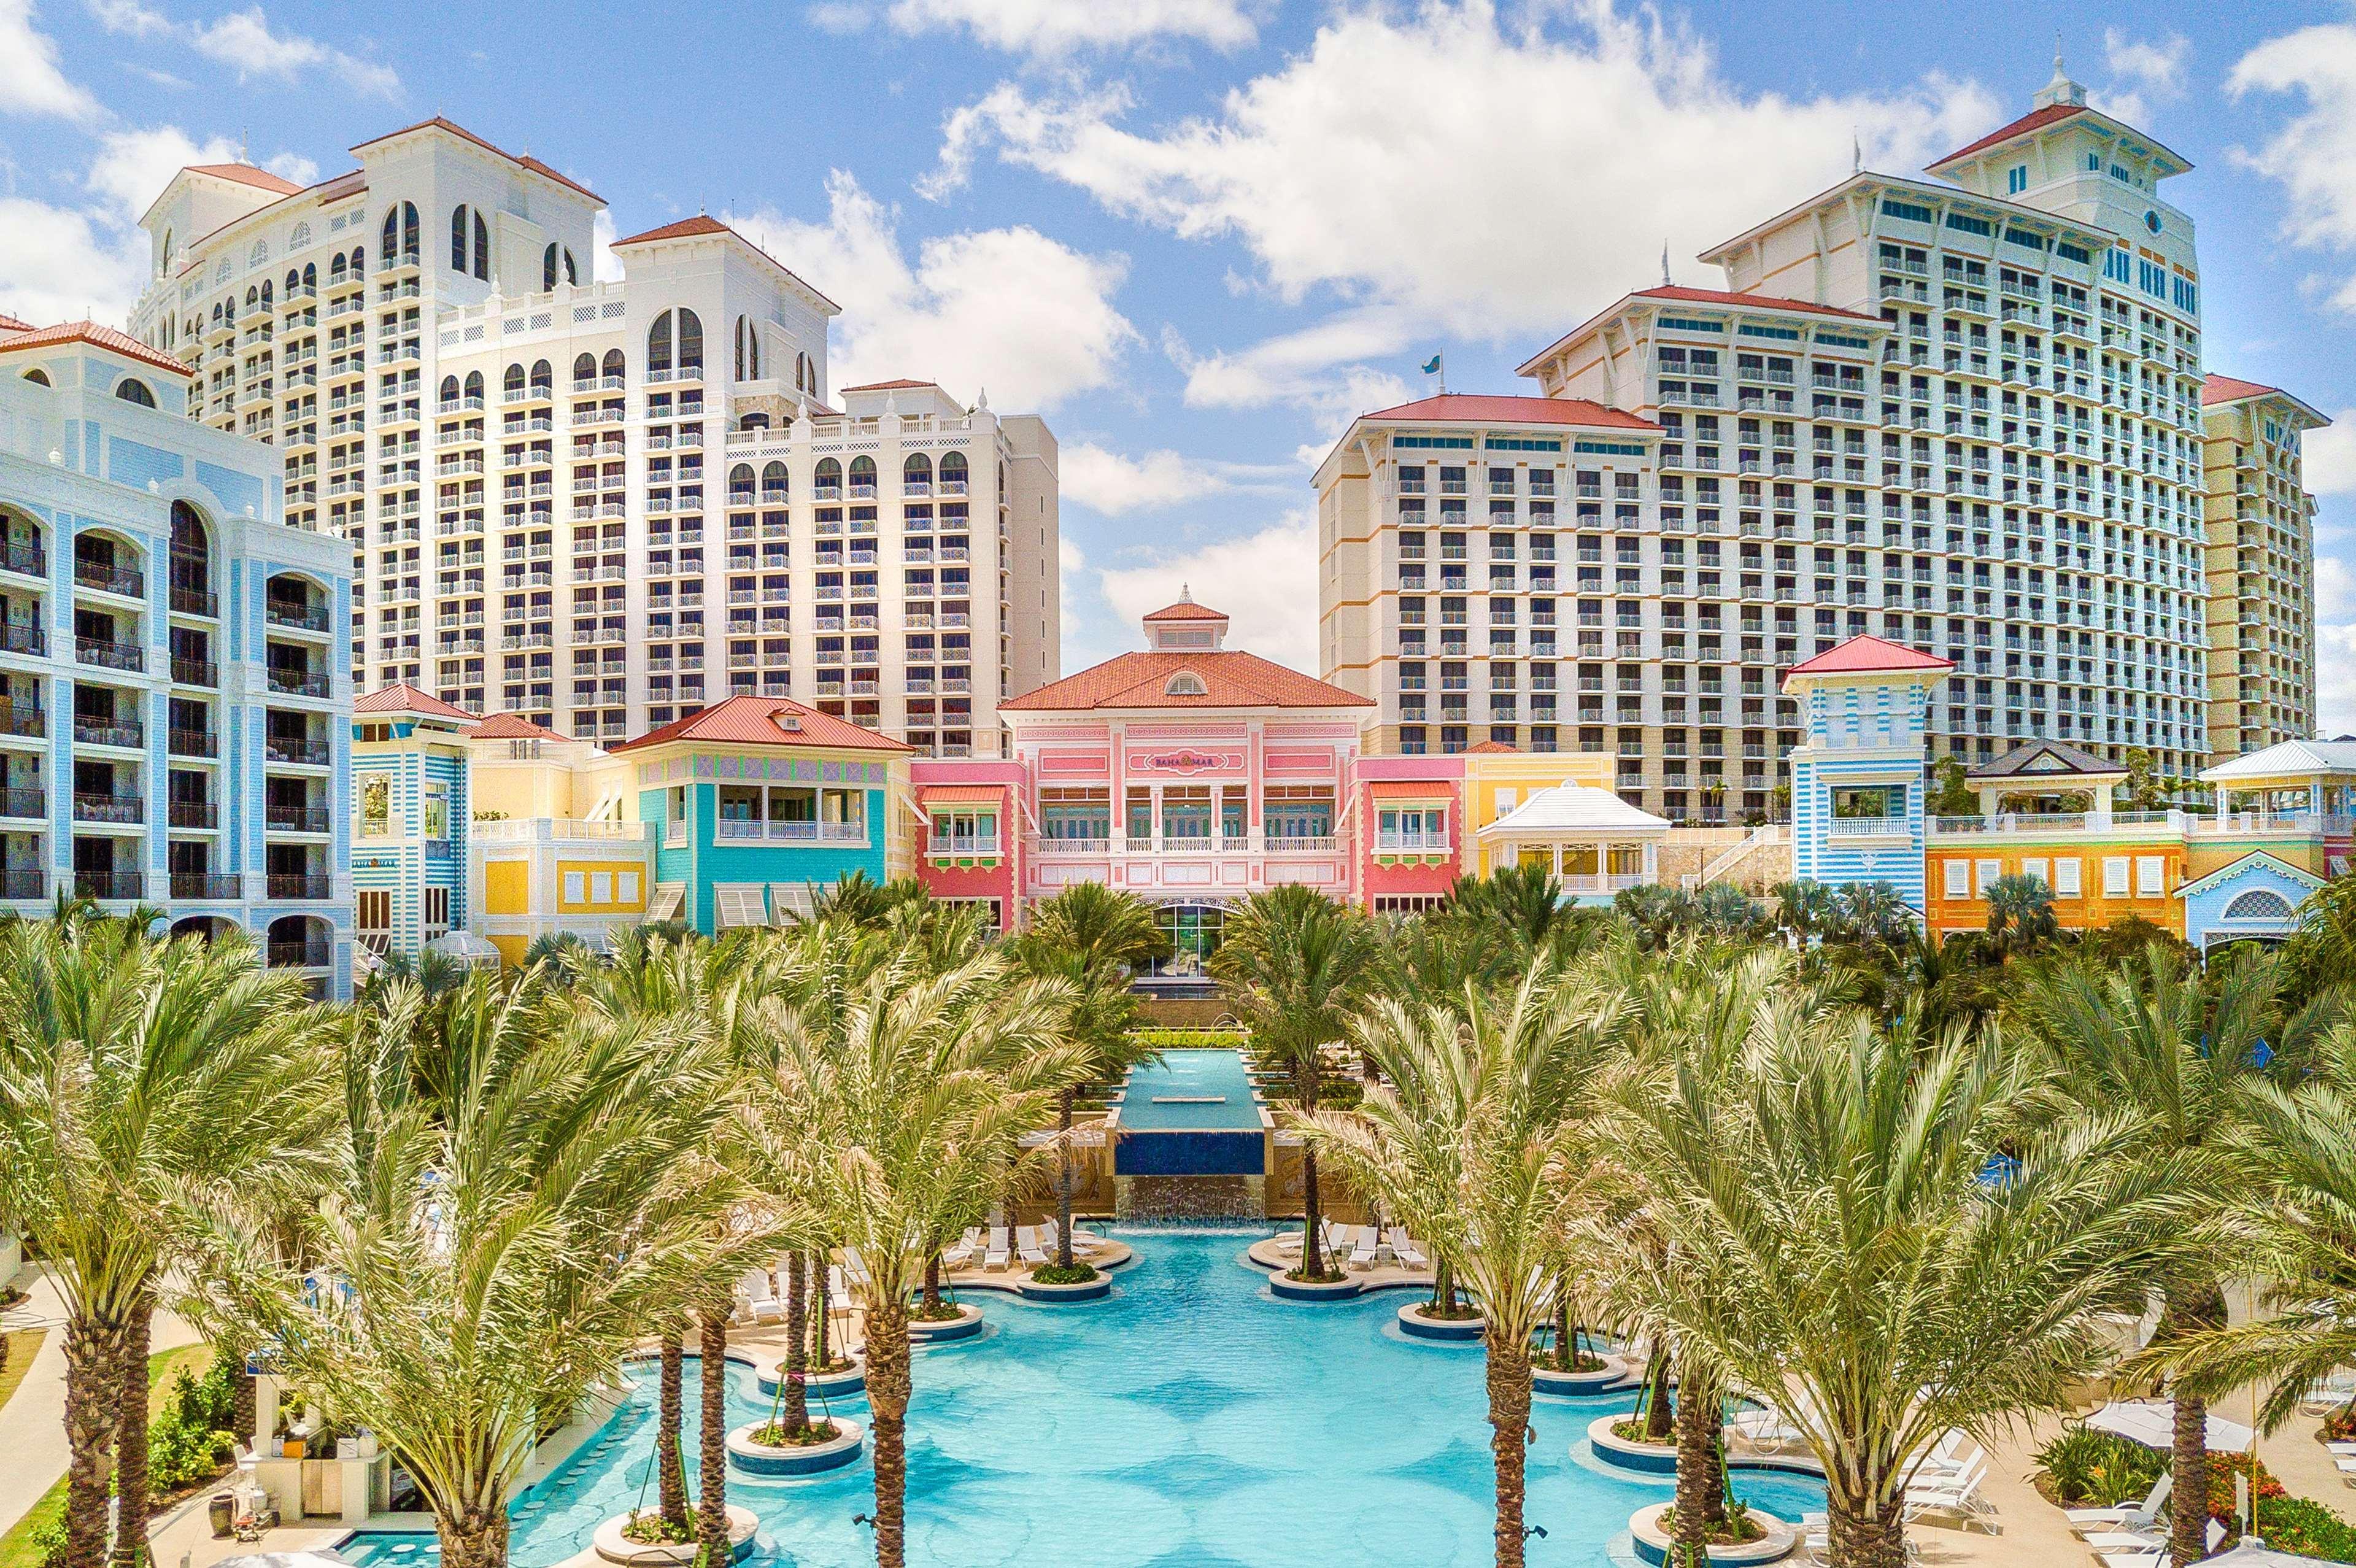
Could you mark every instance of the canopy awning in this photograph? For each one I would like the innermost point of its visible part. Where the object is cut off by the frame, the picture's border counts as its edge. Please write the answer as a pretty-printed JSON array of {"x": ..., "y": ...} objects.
[
  {"x": 1437, "y": 789},
  {"x": 1574, "y": 811},
  {"x": 670, "y": 898},
  {"x": 467, "y": 948},
  {"x": 961, "y": 794},
  {"x": 2152, "y": 1423}
]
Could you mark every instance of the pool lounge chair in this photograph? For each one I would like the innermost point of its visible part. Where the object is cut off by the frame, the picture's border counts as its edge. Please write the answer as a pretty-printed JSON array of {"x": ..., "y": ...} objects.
[
  {"x": 1959, "y": 1495},
  {"x": 753, "y": 1298},
  {"x": 1404, "y": 1248},
  {"x": 2328, "y": 1393},
  {"x": 998, "y": 1255},
  {"x": 1027, "y": 1245},
  {"x": 1361, "y": 1251},
  {"x": 2125, "y": 1516},
  {"x": 2155, "y": 1554},
  {"x": 957, "y": 1254}
]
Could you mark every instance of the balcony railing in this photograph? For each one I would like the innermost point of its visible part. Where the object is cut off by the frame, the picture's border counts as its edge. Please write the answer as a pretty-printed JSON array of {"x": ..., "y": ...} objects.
[
  {"x": 16, "y": 637},
  {"x": 98, "y": 575},
  {"x": 208, "y": 884},
  {"x": 22, "y": 802},
  {"x": 298, "y": 682},
  {"x": 23, "y": 882},
  {"x": 297, "y": 819},
  {"x": 300, "y": 955},
  {"x": 1418, "y": 841},
  {"x": 302, "y": 753},
  {"x": 110, "y": 883},
  {"x": 942, "y": 847},
  {"x": 30, "y": 559},
  {"x": 103, "y": 732},
  {"x": 193, "y": 743},
  {"x": 191, "y": 601},
  {"x": 109, "y": 808},
  {"x": 297, "y": 618},
  {"x": 110, "y": 655},
  {"x": 297, "y": 885},
  {"x": 195, "y": 672},
  {"x": 194, "y": 815},
  {"x": 734, "y": 829}
]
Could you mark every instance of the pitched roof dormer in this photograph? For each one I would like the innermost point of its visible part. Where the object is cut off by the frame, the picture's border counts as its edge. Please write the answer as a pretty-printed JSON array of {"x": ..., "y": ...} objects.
[{"x": 1185, "y": 626}]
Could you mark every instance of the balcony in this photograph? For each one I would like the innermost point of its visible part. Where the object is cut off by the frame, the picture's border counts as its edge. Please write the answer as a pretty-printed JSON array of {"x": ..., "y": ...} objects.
[
  {"x": 301, "y": 954},
  {"x": 736, "y": 831},
  {"x": 110, "y": 885},
  {"x": 118, "y": 810},
  {"x": 128, "y": 656},
  {"x": 203, "y": 816},
  {"x": 193, "y": 743},
  {"x": 298, "y": 682},
  {"x": 23, "y": 882},
  {"x": 963, "y": 848},
  {"x": 293, "y": 618},
  {"x": 195, "y": 671},
  {"x": 297, "y": 819},
  {"x": 297, "y": 885},
  {"x": 17, "y": 636},
  {"x": 106, "y": 579},
  {"x": 296, "y": 753},
  {"x": 1413, "y": 843},
  {"x": 24, "y": 803},
  {"x": 125, "y": 733},
  {"x": 208, "y": 884},
  {"x": 30, "y": 560},
  {"x": 195, "y": 602}
]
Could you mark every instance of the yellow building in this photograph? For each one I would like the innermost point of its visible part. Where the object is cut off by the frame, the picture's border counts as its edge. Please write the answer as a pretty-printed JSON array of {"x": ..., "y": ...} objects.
[
  {"x": 2261, "y": 567},
  {"x": 553, "y": 852}
]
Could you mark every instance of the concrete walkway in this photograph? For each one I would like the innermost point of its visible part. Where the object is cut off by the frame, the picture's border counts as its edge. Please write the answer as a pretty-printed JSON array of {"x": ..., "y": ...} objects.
[{"x": 33, "y": 1421}]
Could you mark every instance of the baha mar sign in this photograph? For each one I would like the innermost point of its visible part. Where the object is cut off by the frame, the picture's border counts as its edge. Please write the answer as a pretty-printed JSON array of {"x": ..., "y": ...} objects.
[{"x": 1185, "y": 762}]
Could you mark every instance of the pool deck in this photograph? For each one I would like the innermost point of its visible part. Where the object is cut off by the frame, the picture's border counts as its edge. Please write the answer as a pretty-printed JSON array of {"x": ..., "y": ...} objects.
[{"x": 1381, "y": 1276}]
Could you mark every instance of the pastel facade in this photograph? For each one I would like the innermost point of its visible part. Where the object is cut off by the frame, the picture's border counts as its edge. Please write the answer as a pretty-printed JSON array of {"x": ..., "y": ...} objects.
[
  {"x": 1857, "y": 780},
  {"x": 970, "y": 843},
  {"x": 174, "y": 691},
  {"x": 757, "y": 805},
  {"x": 603, "y": 505},
  {"x": 412, "y": 820},
  {"x": 2261, "y": 565},
  {"x": 1964, "y": 413}
]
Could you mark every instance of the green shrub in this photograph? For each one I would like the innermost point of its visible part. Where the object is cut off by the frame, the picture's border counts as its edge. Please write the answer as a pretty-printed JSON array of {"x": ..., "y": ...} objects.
[
  {"x": 1188, "y": 1039},
  {"x": 191, "y": 1440},
  {"x": 2306, "y": 1528},
  {"x": 1079, "y": 1274},
  {"x": 2098, "y": 1469}
]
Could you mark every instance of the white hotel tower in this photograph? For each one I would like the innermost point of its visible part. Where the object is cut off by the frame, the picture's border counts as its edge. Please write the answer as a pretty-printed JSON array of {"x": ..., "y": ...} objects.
[
  {"x": 603, "y": 505},
  {"x": 1961, "y": 413}
]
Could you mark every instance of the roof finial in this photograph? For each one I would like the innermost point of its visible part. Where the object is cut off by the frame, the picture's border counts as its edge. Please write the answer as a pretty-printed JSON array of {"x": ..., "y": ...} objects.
[
  {"x": 2059, "y": 73},
  {"x": 1855, "y": 152},
  {"x": 1186, "y": 593},
  {"x": 1665, "y": 263}
]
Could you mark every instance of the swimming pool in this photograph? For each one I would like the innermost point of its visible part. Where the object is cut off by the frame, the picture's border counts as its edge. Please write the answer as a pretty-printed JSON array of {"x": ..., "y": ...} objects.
[
  {"x": 1191, "y": 1421},
  {"x": 1191, "y": 1091}
]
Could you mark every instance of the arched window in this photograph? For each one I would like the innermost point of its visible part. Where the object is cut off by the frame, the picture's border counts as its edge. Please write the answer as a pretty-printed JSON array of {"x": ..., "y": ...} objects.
[
  {"x": 513, "y": 381},
  {"x": 37, "y": 376},
  {"x": 171, "y": 250},
  {"x": 572, "y": 272},
  {"x": 299, "y": 238},
  {"x": 585, "y": 369},
  {"x": 258, "y": 254},
  {"x": 748, "y": 349},
  {"x": 2258, "y": 904},
  {"x": 543, "y": 378},
  {"x": 829, "y": 478},
  {"x": 449, "y": 390},
  {"x": 547, "y": 267},
  {"x": 399, "y": 240},
  {"x": 293, "y": 280},
  {"x": 773, "y": 481},
  {"x": 659, "y": 348},
  {"x": 754, "y": 422},
  {"x": 740, "y": 482},
  {"x": 1186, "y": 683},
  {"x": 916, "y": 475},
  {"x": 740, "y": 348},
  {"x": 482, "y": 249},
  {"x": 131, "y": 389},
  {"x": 336, "y": 268},
  {"x": 458, "y": 239},
  {"x": 613, "y": 364},
  {"x": 252, "y": 296},
  {"x": 863, "y": 476},
  {"x": 953, "y": 473},
  {"x": 265, "y": 297},
  {"x": 690, "y": 342},
  {"x": 310, "y": 275},
  {"x": 192, "y": 566},
  {"x": 475, "y": 384},
  {"x": 359, "y": 262}
]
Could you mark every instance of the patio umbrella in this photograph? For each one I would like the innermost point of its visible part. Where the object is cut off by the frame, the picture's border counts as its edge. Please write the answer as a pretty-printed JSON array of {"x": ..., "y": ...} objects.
[
  {"x": 285, "y": 1560},
  {"x": 2152, "y": 1423}
]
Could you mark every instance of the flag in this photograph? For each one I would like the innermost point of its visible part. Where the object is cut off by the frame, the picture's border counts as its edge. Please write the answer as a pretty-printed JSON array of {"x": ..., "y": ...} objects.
[{"x": 1432, "y": 366}]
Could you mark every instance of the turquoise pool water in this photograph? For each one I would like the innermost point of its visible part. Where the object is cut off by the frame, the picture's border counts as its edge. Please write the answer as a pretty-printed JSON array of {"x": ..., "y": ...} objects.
[
  {"x": 1189, "y": 1422},
  {"x": 1191, "y": 1091}
]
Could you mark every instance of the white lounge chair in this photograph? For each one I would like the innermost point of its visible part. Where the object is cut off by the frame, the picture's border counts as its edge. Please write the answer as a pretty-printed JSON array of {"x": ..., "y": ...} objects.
[
  {"x": 997, "y": 1256},
  {"x": 1958, "y": 1495},
  {"x": 1362, "y": 1249},
  {"x": 1027, "y": 1245},
  {"x": 854, "y": 1267},
  {"x": 958, "y": 1253},
  {"x": 2328, "y": 1393},
  {"x": 761, "y": 1300},
  {"x": 1404, "y": 1248},
  {"x": 838, "y": 1289},
  {"x": 2155, "y": 1552},
  {"x": 2124, "y": 1516}
]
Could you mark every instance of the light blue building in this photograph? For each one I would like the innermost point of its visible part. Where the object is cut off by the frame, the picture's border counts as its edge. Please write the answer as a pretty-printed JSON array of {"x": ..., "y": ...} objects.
[
  {"x": 1856, "y": 781},
  {"x": 414, "y": 809},
  {"x": 175, "y": 689}
]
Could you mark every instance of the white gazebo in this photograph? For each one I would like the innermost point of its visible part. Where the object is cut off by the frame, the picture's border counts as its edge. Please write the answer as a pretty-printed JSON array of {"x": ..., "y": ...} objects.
[{"x": 1593, "y": 841}]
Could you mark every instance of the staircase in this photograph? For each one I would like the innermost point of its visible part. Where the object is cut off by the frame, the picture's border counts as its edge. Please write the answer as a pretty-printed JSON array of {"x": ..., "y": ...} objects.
[{"x": 1769, "y": 838}]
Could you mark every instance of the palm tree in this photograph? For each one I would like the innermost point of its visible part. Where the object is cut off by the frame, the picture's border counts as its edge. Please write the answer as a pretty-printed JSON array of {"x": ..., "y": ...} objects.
[
  {"x": 2176, "y": 1052},
  {"x": 1294, "y": 965},
  {"x": 861, "y": 900},
  {"x": 918, "y": 1084},
  {"x": 526, "y": 1219},
  {"x": 1473, "y": 1142},
  {"x": 135, "y": 1077},
  {"x": 1837, "y": 1237},
  {"x": 2021, "y": 913},
  {"x": 1520, "y": 907},
  {"x": 1806, "y": 908}
]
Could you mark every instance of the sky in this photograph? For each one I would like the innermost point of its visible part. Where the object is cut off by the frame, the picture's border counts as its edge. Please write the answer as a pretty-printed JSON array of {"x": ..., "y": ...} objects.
[{"x": 1199, "y": 236}]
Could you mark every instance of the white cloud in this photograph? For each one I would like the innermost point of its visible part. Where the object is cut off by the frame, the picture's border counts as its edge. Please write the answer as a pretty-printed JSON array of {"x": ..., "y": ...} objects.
[
  {"x": 1112, "y": 484},
  {"x": 58, "y": 264},
  {"x": 1481, "y": 179},
  {"x": 1010, "y": 311},
  {"x": 842, "y": 20},
  {"x": 1264, "y": 581},
  {"x": 1060, "y": 26},
  {"x": 129, "y": 18},
  {"x": 2158, "y": 64},
  {"x": 133, "y": 165},
  {"x": 31, "y": 84},
  {"x": 2328, "y": 456},
  {"x": 242, "y": 40},
  {"x": 2314, "y": 157},
  {"x": 604, "y": 266}
]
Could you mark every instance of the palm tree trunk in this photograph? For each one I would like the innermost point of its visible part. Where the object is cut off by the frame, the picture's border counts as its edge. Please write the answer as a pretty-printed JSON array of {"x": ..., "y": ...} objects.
[
  {"x": 1313, "y": 1257},
  {"x": 1657, "y": 1396},
  {"x": 1509, "y": 1437},
  {"x": 2190, "y": 1309},
  {"x": 1566, "y": 1334},
  {"x": 1064, "y": 1180},
  {"x": 243, "y": 1398},
  {"x": 887, "y": 1401},
  {"x": 669, "y": 1475},
  {"x": 1696, "y": 1477},
  {"x": 823, "y": 1295},
  {"x": 797, "y": 1416},
  {"x": 132, "y": 1499},
  {"x": 712, "y": 1439},
  {"x": 93, "y": 1379},
  {"x": 933, "y": 1282},
  {"x": 1443, "y": 1286},
  {"x": 475, "y": 1537},
  {"x": 1861, "y": 1540}
]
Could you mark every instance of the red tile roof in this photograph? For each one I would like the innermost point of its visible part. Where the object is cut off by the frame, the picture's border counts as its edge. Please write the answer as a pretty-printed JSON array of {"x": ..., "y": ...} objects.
[
  {"x": 1681, "y": 294},
  {"x": 752, "y": 721},
  {"x": 10, "y": 324},
  {"x": 513, "y": 726},
  {"x": 1231, "y": 679},
  {"x": 2035, "y": 120},
  {"x": 702, "y": 224},
  {"x": 1483, "y": 409},
  {"x": 92, "y": 332},
  {"x": 401, "y": 697},
  {"x": 890, "y": 386},
  {"x": 246, "y": 174},
  {"x": 1862, "y": 655},
  {"x": 438, "y": 123},
  {"x": 2231, "y": 389},
  {"x": 1490, "y": 748},
  {"x": 1187, "y": 610}
]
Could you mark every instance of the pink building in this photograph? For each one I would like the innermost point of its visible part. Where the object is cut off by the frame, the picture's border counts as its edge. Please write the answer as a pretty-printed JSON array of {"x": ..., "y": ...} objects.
[
  {"x": 1189, "y": 774},
  {"x": 970, "y": 844},
  {"x": 1408, "y": 834}
]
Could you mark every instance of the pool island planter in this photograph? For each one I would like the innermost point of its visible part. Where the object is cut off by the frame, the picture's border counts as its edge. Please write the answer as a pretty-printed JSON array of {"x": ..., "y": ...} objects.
[
  {"x": 1286, "y": 1288},
  {"x": 1449, "y": 1330},
  {"x": 760, "y": 1459},
  {"x": 612, "y": 1545},
  {"x": 1652, "y": 1543},
  {"x": 1097, "y": 1289},
  {"x": 1654, "y": 1460},
  {"x": 1605, "y": 1379},
  {"x": 964, "y": 1326},
  {"x": 851, "y": 1380}
]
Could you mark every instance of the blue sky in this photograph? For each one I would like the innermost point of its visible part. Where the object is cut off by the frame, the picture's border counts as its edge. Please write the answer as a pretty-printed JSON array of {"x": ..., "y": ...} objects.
[{"x": 1200, "y": 234}]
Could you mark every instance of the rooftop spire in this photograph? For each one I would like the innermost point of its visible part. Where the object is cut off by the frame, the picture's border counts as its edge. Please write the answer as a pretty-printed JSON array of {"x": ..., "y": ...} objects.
[{"x": 2060, "y": 89}]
